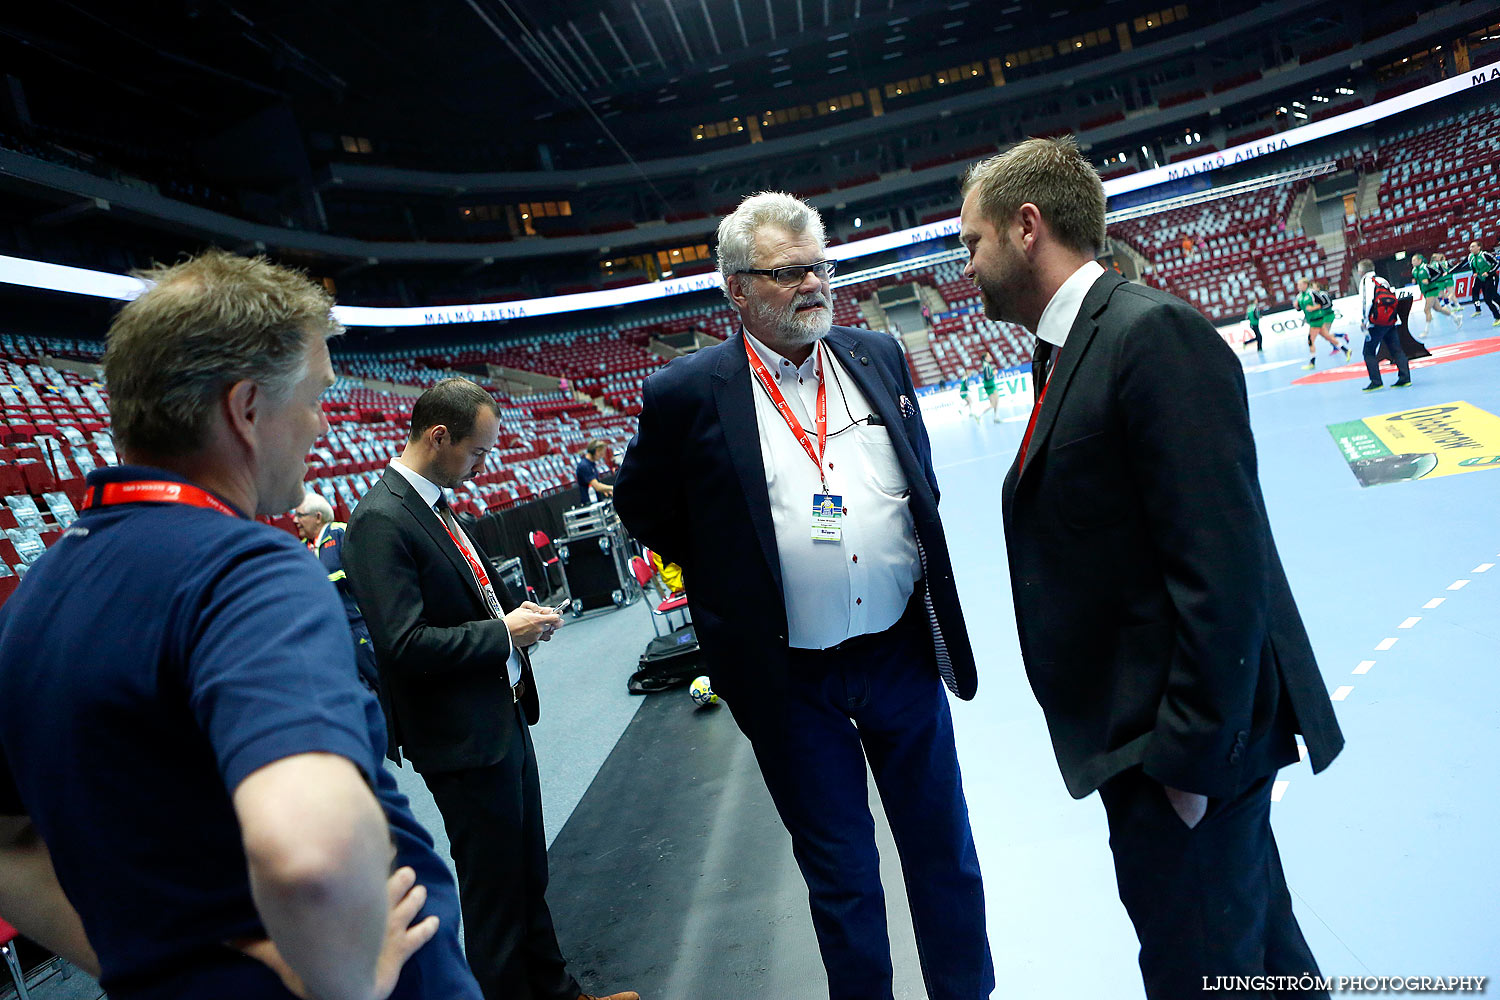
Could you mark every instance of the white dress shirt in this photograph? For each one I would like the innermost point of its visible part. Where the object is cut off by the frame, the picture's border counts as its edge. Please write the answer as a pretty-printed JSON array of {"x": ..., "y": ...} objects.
[
  {"x": 1062, "y": 309},
  {"x": 861, "y": 584},
  {"x": 430, "y": 492}
]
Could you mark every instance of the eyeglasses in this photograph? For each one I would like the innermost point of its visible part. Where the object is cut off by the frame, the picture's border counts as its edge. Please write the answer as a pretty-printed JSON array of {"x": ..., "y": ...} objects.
[
  {"x": 791, "y": 275},
  {"x": 303, "y": 513}
]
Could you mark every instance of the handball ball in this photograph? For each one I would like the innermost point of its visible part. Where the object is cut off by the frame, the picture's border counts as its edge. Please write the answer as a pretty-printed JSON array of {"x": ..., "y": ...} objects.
[{"x": 702, "y": 694}]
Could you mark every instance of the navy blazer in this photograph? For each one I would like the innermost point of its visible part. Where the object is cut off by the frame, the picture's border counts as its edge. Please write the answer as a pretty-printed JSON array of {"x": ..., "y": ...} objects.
[
  {"x": 1156, "y": 621},
  {"x": 692, "y": 486}
]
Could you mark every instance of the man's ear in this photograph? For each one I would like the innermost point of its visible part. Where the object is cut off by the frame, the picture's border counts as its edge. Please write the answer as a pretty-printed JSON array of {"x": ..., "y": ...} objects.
[
  {"x": 437, "y": 435},
  {"x": 735, "y": 284},
  {"x": 242, "y": 405},
  {"x": 1029, "y": 222}
]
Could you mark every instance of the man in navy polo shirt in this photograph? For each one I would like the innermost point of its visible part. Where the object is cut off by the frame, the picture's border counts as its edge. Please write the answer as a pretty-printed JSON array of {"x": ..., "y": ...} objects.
[
  {"x": 587, "y": 474},
  {"x": 192, "y": 801}
]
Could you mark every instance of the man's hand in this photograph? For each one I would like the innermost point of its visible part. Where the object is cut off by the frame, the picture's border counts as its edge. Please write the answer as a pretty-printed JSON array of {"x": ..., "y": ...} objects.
[
  {"x": 1189, "y": 806},
  {"x": 402, "y": 938},
  {"x": 531, "y": 623}
]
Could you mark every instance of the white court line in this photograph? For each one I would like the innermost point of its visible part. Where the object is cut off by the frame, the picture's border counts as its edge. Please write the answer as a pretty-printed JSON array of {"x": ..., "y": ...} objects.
[
  {"x": 1301, "y": 751},
  {"x": 1458, "y": 584},
  {"x": 1278, "y": 789},
  {"x": 1342, "y": 692},
  {"x": 1409, "y": 622},
  {"x": 1384, "y": 644},
  {"x": 1483, "y": 568},
  {"x": 1364, "y": 666},
  {"x": 1433, "y": 603},
  {"x": 1267, "y": 392}
]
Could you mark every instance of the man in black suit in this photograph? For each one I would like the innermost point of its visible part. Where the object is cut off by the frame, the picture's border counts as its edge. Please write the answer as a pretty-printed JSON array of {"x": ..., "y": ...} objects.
[
  {"x": 788, "y": 472},
  {"x": 459, "y": 689},
  {"x": 1157, "y": 626}
]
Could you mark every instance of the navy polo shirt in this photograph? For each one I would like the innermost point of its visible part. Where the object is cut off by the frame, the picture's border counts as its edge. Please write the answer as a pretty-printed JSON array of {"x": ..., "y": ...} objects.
[
  {"x": 587, "y": 473},
  {"x": 154, "y": 657}
]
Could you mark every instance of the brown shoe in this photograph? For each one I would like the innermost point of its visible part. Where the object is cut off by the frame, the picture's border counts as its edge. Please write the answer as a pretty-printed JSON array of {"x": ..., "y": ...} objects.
[{"x": 627, "y": 995}]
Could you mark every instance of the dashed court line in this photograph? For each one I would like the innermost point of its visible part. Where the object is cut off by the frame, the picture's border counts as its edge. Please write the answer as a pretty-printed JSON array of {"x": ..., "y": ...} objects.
[{"x": 1343, "y": 691}]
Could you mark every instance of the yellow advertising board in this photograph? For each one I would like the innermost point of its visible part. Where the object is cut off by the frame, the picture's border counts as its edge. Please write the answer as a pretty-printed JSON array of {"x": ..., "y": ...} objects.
[{"x": 1423, "y": 443}]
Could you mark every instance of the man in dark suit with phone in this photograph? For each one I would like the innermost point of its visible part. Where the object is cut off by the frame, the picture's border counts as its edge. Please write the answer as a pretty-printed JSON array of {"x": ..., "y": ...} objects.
[
  {"x": 1156, "y": 622},
  {"x": 451, "y": 649},
  {"x": 788, "y": 472}
]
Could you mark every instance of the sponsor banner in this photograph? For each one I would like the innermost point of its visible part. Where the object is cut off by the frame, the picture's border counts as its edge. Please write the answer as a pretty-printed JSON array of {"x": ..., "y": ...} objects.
[{"x": 1423, "y": 443}]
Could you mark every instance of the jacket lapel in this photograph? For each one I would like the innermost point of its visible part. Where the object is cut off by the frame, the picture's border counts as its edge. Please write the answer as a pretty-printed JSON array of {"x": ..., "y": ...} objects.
[
  {"x": 736, "y": 404},
  {"x": 427, "y": 520},
  {"x": 847, "y": 351},
  {"x": 1066, "y": 362}
]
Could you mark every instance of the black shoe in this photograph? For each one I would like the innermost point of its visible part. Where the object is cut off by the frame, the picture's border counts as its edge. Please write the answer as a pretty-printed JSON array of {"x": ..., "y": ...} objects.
[
  {"x": 1401, "y": 383},
  {"x": 1372, "y": 387}
]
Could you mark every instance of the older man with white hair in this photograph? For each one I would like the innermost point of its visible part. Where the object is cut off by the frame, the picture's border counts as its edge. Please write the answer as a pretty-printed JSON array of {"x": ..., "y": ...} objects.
[{"x": 788, "y": 472}]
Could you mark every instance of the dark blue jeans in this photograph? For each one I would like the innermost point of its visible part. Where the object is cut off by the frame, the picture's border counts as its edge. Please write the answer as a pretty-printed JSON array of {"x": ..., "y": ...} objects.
[
  {"x": 1391, "y": 338},
  {"x": 880, "y": 699}
]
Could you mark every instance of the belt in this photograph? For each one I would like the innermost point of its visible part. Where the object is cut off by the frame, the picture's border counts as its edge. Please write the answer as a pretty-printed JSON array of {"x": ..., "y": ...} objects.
[
  {"x": 518, "y": 690},
  {"x": 913, "y": 613}
]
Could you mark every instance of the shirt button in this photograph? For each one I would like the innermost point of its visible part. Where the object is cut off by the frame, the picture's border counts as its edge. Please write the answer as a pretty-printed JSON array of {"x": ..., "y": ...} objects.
[
  {"x": 856, "y": 558},
  {"x": 859, "y": 600}
]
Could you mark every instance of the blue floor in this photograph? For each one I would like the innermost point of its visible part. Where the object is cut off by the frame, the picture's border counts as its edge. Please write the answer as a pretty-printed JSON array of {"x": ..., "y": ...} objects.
[{"x": 1389, "y": 853}]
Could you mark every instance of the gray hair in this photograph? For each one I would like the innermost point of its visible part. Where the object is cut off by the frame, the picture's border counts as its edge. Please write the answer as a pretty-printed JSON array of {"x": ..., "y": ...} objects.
[
  {"x": 205, "y": 324},
  {"x": 318, "y": 504},
  {"x": 738, "y": 231}
]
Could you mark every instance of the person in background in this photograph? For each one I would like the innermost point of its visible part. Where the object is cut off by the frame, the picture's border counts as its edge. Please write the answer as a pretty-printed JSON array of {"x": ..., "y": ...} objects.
[
  {"x": 966, "y": 400},
  {"x": 587, "y": 474},
  {"x": 1324, "y": 299},
  {"x": 1430, "y": 281},
  {"x": 1486, "y": 270},
  {"x": 1252, "y": 317},
  {"x": 325, "y": 540},
  {"x": 225, "y": 827},
  {"x": 788, "y": 471},
  {"x": 1157, "y": 626},
  {"x": 1380, "y": 320},
  {"x": 1318, "y": 315},
  {"x": 990, "y": 376},
  {"x": 455, "y": 667}
]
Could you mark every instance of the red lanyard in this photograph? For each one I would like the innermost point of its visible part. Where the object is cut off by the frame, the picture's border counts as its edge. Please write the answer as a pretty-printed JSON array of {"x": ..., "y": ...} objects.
[
  {"x": 474, "y": 564},
  {"x": 1035, "y": 410},
  {"x": 154, "y": 491},
  {"x": 779, "y": 401}
]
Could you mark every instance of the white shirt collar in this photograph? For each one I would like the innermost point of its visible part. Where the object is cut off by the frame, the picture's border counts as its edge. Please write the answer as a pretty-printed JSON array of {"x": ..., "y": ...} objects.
[
  {"x": 426, "y": 489},
  {"x": 779, "y": 366},
  {"x": 1062, "y": 310}
]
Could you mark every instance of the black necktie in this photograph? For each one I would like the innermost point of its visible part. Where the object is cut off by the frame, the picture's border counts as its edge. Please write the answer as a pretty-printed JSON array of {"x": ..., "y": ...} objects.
[{"x": 1041, "y": 360}]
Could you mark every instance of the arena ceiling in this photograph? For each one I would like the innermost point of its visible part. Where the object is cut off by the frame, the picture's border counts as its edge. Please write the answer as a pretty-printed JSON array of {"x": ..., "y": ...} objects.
[{"x": 391, "y": 66}]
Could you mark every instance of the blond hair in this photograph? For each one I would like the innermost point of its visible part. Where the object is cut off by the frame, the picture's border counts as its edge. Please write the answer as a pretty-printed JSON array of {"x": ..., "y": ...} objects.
[
  {"x": 205, "y": 324},
  {"x": 1051, "y": 174}
]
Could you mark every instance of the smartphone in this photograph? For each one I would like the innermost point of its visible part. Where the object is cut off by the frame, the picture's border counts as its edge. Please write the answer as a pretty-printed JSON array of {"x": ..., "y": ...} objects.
[{"x": 565, "y": 605}]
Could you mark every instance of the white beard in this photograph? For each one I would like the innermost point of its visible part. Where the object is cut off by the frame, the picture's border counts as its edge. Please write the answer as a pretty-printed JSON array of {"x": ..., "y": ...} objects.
[{"x": 794, "y": 329}]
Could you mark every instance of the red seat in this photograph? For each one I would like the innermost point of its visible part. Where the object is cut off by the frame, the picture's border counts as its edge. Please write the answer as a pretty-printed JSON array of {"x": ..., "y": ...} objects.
[{"x": 7, "y": 932}]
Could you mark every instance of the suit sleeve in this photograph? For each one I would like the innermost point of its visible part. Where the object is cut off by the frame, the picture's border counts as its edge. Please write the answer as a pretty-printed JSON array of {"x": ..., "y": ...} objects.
[
  {"x": 383, "y": 572},
  {"x": 648, "y": 490},
  {"x": 1192, "y": 458},
  {"x": 921, "y": 444}
]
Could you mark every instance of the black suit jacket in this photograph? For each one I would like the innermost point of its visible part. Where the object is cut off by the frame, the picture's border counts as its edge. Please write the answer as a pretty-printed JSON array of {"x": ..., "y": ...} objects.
[
  {"x": 442, "y": 657},
  {"x": 692, "y": 486},
  {"x": 1155, "y": 618}
]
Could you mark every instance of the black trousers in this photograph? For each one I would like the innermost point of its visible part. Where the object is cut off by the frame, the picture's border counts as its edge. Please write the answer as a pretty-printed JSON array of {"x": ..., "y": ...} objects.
[
  {"x": 1484, "y": 289},
  {"x": 1388, "y": 337},
  {"x": 494, "y": 820},
  {"x": 1208, "y": 901}
]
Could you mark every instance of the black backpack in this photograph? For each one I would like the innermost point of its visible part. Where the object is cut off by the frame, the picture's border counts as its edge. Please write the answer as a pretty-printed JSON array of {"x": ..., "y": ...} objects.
[
  {"x": 1321, "y": 300},
  {"x": 1383, "y": 305}
]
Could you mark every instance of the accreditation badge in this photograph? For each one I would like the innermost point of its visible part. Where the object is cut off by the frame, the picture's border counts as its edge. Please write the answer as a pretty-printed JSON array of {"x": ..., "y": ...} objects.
[{"x": 827, "y": 517}]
